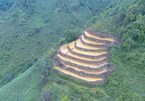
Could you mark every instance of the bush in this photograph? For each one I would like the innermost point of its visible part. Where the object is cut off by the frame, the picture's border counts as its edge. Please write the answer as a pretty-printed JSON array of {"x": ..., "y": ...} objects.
[
  {"x": 70, "y": 35},
  {"x": 64, "y": 98}
]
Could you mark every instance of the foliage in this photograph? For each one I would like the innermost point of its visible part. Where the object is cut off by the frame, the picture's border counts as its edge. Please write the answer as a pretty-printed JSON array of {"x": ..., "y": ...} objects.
[
  {"x": 31, "y": 27},
  {"x": 69, "y": 36},
  {"x": 31, "y": 31},
  {"x": 25, "y": 87},
  {"x": 64, "y": 98},
  {"x": 128, "y": 57}
]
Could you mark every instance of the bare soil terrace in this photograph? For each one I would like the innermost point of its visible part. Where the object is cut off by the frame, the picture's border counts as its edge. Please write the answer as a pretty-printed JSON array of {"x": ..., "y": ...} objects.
[{"x": 85, "y": 58}]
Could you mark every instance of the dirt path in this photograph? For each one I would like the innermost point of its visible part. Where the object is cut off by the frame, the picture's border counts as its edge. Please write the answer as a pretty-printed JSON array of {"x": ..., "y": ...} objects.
[
  {"x": 82, "y": 63},
  {"x": 96, "y": 37},
  {"x": 77, "y": 76},
  {"x": 79, "y": 44},
  {"x": 87, "y": 71},
  {"x": 91, "y": 42},
  {"x": 66, "y": 51}
]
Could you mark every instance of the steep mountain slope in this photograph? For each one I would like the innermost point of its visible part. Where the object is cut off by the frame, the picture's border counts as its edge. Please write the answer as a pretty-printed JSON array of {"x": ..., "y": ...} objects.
[
  {"x": 124, "y": 19},
  {"x": 127, "y": 22},
  {"x": 26, "y": 86},
  {"x": 30, "y": 27}
]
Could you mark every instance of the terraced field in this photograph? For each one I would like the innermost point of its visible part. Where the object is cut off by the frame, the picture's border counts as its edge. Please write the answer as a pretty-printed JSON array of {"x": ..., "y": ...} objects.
[{"x": 86, "y": 58}]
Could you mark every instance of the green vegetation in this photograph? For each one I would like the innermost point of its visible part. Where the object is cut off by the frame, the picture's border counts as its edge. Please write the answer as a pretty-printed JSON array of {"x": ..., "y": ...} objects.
[
  {"x": 26, "y": 86},
  {"x": 32, "y": 30},
  {"x": 126, "y": 83},
  {"x": 31, "y": 27}
]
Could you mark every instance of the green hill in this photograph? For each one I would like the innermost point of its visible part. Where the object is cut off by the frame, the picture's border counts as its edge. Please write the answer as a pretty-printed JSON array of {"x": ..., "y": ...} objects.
[
  {"x": 25, "y": 87},
  {"x": 32, "y": 29}
]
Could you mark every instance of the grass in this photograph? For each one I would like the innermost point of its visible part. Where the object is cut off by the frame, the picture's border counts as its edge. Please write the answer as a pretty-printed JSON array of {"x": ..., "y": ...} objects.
[
  {"x": 25, "y": 87},
  {"x": 29, "y": 28},
  {"x": 126, "y": 82},
  {"x": 25, "y": 38}
]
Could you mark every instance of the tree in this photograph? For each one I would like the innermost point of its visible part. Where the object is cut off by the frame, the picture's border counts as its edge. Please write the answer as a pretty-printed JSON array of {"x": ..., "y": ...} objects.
[
  {"x": 127, "y": 42},
  {"x": 64, "y": 98},
  {"x": 70, "y": 35}
]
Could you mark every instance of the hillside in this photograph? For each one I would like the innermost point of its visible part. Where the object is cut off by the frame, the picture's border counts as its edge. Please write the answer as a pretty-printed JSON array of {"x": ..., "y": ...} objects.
[
  {"x": 86, "y": 58},
  {"x": 128, "y": 58},
  {"x": 31, "y": 32},
  {"x": 26, "y": 86},
  {"x": 29, "y": 28}
]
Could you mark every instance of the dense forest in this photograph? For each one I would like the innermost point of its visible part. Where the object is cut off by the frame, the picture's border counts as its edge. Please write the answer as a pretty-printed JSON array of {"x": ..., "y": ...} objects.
[{"x": 31, "y": 32}]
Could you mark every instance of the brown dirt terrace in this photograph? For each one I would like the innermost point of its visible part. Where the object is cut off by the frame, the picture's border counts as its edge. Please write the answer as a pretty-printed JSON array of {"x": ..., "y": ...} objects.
[{"x": 86, "y": 58}]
